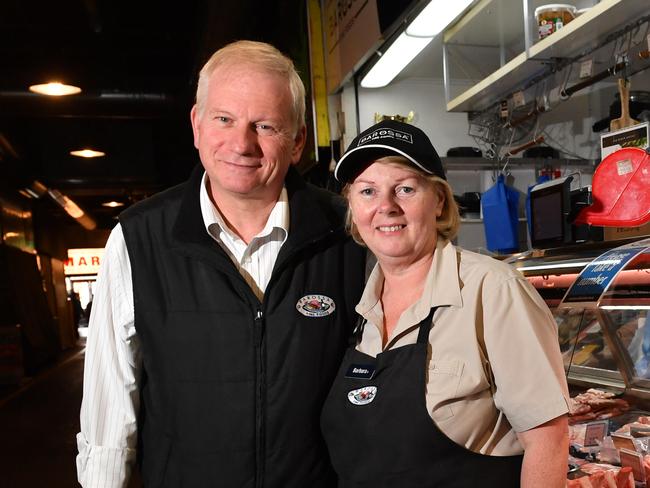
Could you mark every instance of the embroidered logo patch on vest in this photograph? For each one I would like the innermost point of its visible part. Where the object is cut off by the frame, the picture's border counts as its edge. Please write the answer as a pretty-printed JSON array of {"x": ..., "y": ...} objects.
[
  {"x": 362, "y": 396},
  {"x": 315, "y": 306}
]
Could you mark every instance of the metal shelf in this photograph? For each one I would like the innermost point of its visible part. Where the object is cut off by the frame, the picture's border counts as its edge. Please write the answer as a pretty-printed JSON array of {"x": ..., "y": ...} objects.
[
  {"x": 458, "y": 164},
  {"x": 583, "y": 32}
]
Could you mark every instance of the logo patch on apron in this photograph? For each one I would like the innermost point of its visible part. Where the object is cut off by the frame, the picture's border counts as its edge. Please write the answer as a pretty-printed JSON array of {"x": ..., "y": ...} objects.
[
  {"x": 315, "y": 306},
  {"x": 362, "y": 396}
]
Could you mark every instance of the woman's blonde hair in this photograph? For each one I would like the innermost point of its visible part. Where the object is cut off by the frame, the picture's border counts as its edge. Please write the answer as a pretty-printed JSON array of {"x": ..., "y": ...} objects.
[
  {"x": 258, "y": 55},
  {"x": 446, "y": 225}
]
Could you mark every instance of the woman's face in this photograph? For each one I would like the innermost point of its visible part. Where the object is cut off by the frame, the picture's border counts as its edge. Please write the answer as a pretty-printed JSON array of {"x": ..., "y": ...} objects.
[{"x": 395, "y": 211}]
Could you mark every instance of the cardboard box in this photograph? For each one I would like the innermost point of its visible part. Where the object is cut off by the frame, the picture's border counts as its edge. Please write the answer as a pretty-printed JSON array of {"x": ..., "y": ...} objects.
[
  {"x": 615, "y": 233},
  {"x": 634, "y": 136}
]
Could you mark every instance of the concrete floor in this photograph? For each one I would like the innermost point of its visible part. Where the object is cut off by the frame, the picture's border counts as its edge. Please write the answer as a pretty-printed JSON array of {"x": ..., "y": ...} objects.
[{"x": 38, "y": 424}]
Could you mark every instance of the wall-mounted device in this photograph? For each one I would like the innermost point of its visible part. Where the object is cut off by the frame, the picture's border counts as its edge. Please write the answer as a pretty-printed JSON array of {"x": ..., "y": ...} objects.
[{"x": 553, "y": 209}]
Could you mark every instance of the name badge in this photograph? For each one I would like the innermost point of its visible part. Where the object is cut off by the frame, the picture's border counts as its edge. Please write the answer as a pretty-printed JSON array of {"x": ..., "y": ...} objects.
[{"x": 360, "y": 371}]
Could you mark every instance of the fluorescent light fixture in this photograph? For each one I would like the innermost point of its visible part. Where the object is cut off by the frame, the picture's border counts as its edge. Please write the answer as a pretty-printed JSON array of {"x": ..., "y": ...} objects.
[
  {"x": 625, "y": 307},
  {"x": 88, "y": 153},
  {"x": 112, "y": 204},
  {"x": 437, "y": 15},
  {"x": 399, "y": 54},
  {"x": 553, "y": 266},
  {"x": 55, "y": 89},
  {"x": 28, "y": 192}
]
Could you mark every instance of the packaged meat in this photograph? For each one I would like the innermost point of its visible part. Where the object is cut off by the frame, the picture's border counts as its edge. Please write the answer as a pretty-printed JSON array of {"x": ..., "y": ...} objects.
[{"x": 624, "y": 478}]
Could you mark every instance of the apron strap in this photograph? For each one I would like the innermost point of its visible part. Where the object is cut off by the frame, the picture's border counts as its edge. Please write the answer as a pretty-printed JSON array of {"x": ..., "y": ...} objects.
[
  {"x": 357, "y": 333},
  {"x": 425, "y": 327}
]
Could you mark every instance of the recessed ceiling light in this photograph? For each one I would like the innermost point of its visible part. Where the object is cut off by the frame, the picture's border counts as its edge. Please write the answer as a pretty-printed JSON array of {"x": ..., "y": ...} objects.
[
  {"x": 88, "y": 153},
  {"x": 113, "y": 204},
  {"x": 55, "y": 89}
]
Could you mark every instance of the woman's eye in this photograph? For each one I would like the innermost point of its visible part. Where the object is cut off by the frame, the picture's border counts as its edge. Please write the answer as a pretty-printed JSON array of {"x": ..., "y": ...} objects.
[
  {"x": 367, "y": 191},
  {"x": 405, "y": 190}
]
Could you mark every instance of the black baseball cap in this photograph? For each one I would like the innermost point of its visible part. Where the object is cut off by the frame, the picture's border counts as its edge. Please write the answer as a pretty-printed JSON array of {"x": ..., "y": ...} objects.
[{"x": 388, "y": 138}]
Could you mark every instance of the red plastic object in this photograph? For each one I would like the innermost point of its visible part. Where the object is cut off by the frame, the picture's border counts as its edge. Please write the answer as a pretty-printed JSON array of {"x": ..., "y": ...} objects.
[{"x": 620, "y": 191}]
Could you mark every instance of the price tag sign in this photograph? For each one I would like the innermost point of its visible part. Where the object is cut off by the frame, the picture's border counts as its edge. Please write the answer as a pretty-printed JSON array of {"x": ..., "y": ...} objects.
[
  {"x": 623, "y": 441},
  {"x": 595, "y": 432},
  {"x": 586, "y": 68},
  {"x": 634, "y": 460},
  {"x": 503, "y": 109},
  {"x": 518, "y": 99},
  {"x": 596, "y": 277}
]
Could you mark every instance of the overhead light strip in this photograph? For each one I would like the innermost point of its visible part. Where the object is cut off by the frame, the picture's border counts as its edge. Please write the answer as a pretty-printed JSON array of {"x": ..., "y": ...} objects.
[
  {"x": 437, "y": 15},
  {"x": 554, "y": 266}
]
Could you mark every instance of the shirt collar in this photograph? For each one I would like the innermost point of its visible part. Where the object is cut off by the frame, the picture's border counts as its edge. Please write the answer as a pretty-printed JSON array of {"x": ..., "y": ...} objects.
[
  {"x": 278, "y": 218},
  {"x": 442, "y": 287}
]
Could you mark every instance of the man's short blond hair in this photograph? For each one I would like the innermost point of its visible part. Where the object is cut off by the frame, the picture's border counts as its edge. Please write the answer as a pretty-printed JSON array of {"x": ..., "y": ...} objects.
[
  {"x": 260, "y": 56},
  {"x": 446, "y": 225}
]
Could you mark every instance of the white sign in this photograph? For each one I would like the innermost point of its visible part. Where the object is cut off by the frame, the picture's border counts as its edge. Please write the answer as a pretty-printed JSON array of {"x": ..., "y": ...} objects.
[{"x": 83, "y": 261}]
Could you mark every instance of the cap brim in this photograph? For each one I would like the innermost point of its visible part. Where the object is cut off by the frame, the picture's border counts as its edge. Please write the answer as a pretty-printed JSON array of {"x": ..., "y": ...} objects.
[{"x": 355, "y": 161}]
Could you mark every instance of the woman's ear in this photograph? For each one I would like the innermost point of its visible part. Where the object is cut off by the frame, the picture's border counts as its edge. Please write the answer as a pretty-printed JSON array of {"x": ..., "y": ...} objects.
[{"x": 441, "y": 201}]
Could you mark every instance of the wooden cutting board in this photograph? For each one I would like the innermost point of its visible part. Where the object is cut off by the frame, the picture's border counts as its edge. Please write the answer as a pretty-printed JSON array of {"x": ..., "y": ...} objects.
[{"x": 624, "y": 120}]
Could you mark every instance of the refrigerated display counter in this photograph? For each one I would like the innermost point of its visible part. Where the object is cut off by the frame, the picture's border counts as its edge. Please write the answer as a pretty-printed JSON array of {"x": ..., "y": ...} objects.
[
  {"x": 599, "y": 296},
  {"x": 603, "y": 330}
]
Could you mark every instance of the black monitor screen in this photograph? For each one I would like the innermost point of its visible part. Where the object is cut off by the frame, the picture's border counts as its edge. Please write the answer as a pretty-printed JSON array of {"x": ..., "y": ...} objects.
[{"x": 547, "y": 216}]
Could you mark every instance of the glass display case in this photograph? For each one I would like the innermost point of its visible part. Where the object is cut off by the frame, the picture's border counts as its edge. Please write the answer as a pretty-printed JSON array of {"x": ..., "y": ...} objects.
[{"x": 604, "y": 334}]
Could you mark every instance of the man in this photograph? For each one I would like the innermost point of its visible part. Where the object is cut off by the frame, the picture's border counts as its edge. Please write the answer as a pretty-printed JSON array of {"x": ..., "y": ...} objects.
[{"x": 224, "y": 304}]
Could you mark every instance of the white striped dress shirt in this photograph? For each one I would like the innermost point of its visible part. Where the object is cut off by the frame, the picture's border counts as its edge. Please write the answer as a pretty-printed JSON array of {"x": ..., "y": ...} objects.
[{"x": 110, "y": 404}]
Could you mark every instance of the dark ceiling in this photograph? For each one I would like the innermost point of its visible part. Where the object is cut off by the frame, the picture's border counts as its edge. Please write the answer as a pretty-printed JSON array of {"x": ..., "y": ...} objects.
[{"x": 137, "y": 63}]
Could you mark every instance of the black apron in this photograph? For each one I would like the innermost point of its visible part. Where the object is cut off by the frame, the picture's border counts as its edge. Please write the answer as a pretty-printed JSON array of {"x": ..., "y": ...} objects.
[{"x": 380, "y": 434}]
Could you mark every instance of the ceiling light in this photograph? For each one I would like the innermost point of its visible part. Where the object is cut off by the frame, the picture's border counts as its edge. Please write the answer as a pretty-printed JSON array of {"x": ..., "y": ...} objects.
[
  {"x": 113, "y": 204},
  {"x": 88, "y": 153},
  {"x": 394, "y": 60},
  {"x": 28, "y": 192},
  {"x": 437, "y": 15},
  {"x": 553, "y": 266},
  {"x": 55, "y": 89}
]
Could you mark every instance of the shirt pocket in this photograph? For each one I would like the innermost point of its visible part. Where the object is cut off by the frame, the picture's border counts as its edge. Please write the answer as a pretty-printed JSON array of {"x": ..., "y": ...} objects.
[{"x": 443, "y": 379}]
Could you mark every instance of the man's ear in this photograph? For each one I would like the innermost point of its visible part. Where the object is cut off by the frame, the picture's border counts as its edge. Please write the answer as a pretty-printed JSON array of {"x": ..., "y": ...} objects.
[
  {"x": 298, "y": 144},
  {"x": 195, "y": 119}
]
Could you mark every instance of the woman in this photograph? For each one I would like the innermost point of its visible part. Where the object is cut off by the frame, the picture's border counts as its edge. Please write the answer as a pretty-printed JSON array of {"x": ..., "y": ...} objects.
[{"x": 454, "y": 377}]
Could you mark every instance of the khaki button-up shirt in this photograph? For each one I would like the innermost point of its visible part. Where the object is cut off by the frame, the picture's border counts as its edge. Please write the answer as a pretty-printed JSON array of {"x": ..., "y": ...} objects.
[{"x": 494, "y": 366}]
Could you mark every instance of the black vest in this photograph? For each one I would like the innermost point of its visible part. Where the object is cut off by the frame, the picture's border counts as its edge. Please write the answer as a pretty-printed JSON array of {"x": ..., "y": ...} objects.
[{"x": 232, "y": 388}]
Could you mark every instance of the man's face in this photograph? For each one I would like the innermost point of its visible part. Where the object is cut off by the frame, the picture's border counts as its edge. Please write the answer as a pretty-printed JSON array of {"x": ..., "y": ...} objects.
[{"x": 246, "y": 134}]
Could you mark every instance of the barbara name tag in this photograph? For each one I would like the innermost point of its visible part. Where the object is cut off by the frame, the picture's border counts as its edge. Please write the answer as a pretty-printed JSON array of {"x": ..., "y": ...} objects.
[{"x": 360, "y": 371}]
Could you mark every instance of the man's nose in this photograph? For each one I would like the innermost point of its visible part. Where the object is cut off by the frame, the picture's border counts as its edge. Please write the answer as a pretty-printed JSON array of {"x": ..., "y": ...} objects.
[{"x": 243, "y": 139}]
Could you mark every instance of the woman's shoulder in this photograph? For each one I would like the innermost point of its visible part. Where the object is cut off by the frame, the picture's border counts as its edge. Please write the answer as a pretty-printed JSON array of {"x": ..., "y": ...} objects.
[{"x": 474, "y": 266}]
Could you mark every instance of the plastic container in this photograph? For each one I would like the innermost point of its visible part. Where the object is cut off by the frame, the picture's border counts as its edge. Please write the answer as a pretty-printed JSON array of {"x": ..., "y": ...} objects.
[{"x": 553, "y": 17}]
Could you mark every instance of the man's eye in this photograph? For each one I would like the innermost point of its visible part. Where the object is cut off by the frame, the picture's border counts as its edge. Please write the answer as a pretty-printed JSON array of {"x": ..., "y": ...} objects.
[
  {"x": 222, "y": 118},
  {"x": 265, "y": 128}
]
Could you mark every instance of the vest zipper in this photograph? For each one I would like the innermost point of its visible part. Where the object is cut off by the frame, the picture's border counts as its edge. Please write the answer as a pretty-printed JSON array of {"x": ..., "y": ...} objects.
[{"x": 258, "y": 336}]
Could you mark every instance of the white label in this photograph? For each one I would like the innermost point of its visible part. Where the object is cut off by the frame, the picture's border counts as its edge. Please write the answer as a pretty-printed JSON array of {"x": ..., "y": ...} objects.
[
  {"x": 635, "y": 461},
  {"x": 586, "y": 67},
  {"x": 624, "y": 167},
  {"x": 518, "y": 99}
]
